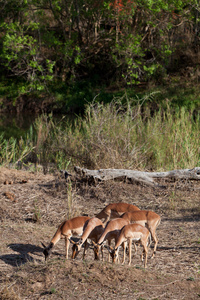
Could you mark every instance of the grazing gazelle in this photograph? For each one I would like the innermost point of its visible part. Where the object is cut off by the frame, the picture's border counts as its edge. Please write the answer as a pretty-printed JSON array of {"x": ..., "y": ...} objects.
[
  {"x": 111, "y": 231},
  {"x": 145, "y": 218},
  {"x": 131, "y": 232},
  {"x": 115, "y": 210},
  {"x": 93, "y": 228},
  {"x": 67, "y": 229}
]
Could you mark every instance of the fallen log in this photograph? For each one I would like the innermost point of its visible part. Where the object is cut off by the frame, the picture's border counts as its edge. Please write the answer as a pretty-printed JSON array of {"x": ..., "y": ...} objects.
[{"x": 138, "y": 176}]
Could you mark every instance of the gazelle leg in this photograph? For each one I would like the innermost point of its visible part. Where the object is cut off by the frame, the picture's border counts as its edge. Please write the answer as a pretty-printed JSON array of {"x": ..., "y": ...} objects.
[
  {"x": 129, "y": 249},
  {"x": 135, "y": 248},
  {"x": 86, "y": 246},
  {"x": 67, "y": 242},
  {"x": 153, "y": 234},
  {"x": 117, "y": 258},
  {"x": 109, "y": 243},
  {"x": 142, "y": 256},
  {"x": 102, "y": 253},
  {"x": 145, "y": 254},
  {"x": 124, "y": 245}
]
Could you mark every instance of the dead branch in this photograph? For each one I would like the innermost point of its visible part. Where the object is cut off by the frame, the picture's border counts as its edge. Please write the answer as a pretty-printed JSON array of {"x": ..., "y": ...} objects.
[{"x": 138, "y": 176}]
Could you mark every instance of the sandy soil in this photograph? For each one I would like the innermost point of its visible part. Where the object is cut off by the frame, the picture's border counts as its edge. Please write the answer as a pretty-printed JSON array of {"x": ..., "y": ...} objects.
[{"x": 33, "y": 205}]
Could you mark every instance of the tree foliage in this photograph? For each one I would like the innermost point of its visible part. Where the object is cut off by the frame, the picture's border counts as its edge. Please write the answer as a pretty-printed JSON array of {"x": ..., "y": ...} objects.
[{"x": 126, "y": 41}]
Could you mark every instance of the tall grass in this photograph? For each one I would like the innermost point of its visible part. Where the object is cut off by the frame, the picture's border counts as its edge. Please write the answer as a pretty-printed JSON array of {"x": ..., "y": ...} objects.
[
  {"x": 116, "y": 136},
  {"x": 119, "y": 135},
  {"x": 13, "y": 151},
  {"x": 173, "y": 139}
]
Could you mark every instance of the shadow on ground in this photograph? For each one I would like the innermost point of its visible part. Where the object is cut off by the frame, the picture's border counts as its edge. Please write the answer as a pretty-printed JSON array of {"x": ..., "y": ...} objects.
[{"x": 23, "y": 255}]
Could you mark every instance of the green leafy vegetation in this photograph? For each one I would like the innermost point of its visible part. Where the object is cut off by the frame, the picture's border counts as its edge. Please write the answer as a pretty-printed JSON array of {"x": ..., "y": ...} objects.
[
  {"x": 12, "y": 150},
  {"x": 120, "y": 134},
  {"x": 67, "y": 52}
]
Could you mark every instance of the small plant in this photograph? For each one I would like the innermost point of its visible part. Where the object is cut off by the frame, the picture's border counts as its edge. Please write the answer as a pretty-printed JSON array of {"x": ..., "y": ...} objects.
[
  {"x": 53, "y": 291},
  {"x": 36, "y": 213},
  {"x": 172, "y": 201},
  {"x": 85, "y": 275},
  {"x": 190, "y": 279},
  {"x": 69, "y": 199},
  {"x": 60, "y": 161}
]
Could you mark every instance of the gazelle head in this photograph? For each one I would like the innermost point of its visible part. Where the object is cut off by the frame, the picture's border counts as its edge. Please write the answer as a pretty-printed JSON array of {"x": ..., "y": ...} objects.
[
  {"x": 96, "y": 248},
  {"x": 113, "y": 253},
  {"x": 76, "y": 247},
  {"x": 47, "y": 250}
]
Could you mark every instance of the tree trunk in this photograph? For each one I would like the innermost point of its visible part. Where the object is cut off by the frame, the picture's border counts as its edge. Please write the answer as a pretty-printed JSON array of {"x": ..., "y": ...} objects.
[{"x": 138, "y": 176}]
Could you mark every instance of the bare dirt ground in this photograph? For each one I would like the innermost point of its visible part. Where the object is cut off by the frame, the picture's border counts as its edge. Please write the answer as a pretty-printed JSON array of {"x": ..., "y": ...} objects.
[{"x": 32, "y": 205}]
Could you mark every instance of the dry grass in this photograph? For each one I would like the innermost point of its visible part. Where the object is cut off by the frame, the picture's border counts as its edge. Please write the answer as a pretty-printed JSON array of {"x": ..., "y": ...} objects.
[{"x": 7, "y": 293}]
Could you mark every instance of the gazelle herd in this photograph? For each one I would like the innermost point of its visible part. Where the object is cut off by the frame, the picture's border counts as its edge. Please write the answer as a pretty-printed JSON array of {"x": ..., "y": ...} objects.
[{"x": 124, "y": 223}]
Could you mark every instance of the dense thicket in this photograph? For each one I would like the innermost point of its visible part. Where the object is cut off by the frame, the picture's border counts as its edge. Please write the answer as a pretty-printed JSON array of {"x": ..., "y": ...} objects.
[{"x": 47, "y": 45}]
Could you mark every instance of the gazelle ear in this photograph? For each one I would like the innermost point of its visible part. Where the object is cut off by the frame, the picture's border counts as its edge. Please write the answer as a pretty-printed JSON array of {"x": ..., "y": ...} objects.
[
  {"x": 110, "y": 249},
  {"x": 43, "y": 245},
  {"x": 79, "y": 242},
  {"x": 71, "y": 241},
  {"x": 94, "y": 244}
]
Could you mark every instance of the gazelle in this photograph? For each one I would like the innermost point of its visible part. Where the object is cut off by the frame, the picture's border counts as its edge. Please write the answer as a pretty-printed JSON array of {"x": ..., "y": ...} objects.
[
  {"x": 67, "y": 229},
  {"x": 145, "y": 218},
  {"x": 111, "y": 231},
  {"x": 115, "y": 210},
  {"x": 93, "y": 229},
  {"x": 131, "y": 232}
]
